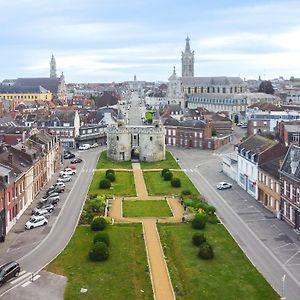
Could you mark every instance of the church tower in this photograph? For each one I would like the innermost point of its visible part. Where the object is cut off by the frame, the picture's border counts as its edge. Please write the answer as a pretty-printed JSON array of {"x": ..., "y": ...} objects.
[
  {"x": 52, "y": 67},
  {"x": 187, "y": 60}
]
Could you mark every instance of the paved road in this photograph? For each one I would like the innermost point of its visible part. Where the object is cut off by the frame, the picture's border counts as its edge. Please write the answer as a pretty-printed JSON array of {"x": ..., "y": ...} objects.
[
  {"x": 64, "y": 225},
  {"x": 262, "y": 237},
  {"x": 136, "y": 111}
]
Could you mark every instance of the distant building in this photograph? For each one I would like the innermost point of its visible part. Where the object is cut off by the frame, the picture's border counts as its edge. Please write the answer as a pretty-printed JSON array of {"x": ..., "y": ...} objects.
[
  {"x": 53, "y": 67},
  {"x": 289, "y": 132}
]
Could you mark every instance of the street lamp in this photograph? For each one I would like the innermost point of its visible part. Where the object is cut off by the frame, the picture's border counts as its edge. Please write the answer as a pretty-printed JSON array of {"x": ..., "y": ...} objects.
[{"x": 282, "y": 292}]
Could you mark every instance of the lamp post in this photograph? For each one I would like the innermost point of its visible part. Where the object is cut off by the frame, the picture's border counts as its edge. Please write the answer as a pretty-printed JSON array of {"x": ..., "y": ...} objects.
[{"x": 283, "y": 286}]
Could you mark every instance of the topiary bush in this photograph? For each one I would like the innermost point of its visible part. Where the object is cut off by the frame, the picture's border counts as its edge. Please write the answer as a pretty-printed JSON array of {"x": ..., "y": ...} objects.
[
  {"x": 101, "y": 237},
  {"x": 164, "y": 171},
  {"x": 168, "y": 176},
  {"x": 99, "y": 252},
  {"x": 105, "y": 184},
  {"x": 198, "y": 239},
  {"x": 206, "y": 251},
  {"x": 111, "y": 177},
  {"x": 175, "y": 182},
  {"x": 98, "y": 224},
  {"x": 199, "y": 222},
  {"x": 110, "y": 171}
]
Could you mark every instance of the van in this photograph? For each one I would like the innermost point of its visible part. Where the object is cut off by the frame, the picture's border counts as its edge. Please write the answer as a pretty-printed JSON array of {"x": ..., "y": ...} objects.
[
  {"x": 84, "y": 147},
  {"x": 8, "y": 271}
]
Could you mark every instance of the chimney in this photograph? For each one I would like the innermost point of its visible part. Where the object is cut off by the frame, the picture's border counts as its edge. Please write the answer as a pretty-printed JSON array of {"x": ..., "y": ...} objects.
[
  {"x": 23, "y": 148},
  {"x": 10, "y": 158}
]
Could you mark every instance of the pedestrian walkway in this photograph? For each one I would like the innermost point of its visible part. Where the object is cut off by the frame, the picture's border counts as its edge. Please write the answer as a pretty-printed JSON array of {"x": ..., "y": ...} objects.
[{"x": 161, "y": 283}]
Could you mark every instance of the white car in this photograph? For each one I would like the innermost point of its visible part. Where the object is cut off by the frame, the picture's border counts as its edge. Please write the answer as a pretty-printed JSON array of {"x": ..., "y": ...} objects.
[
  {"x": 36, "y": 221},
  {"x": 64, "y": 178},
  {"x": 59, "y": 183},
  {"x": 95, "y": 145},
  {"x": 84, "y": 147},
  {"x": 223, "y": 185},
  {"x": 67, "y": 171}
]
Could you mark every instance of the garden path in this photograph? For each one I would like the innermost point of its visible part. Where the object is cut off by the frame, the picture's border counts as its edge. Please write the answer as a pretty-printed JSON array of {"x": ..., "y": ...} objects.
[{"x": 161, "y": 282}]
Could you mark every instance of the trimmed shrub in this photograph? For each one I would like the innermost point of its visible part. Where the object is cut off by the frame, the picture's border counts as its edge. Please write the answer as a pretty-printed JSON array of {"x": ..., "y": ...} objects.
[
  {"x": 111, "y": 177},
  {"x": 168, "y": 176},
  {"x": 101, "y": 237},
  {"x": 99, "y": 252},
  {"x": 198, "y": 239},
  {"x": 164, "y": 171},
  {"x": 175, "y": 182},
  {"x": 110, "y": 171},
  {"x": 105, "y": 184},
  {"x": 199, "y": 222},
  {"x": 186, "y": 192},
  {"x": 98, "y": 224},
  {"x": 206, "y": 251}
]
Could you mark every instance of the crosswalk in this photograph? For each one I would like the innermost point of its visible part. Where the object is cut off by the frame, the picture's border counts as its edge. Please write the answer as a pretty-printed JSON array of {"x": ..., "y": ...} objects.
[{"x": 26, "y": 277}]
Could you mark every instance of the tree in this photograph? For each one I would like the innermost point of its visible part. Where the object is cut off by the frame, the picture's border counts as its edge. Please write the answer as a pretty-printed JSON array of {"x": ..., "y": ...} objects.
[
  {"x": 266, "y": 87},
  {"x": 168, "y": 176},
  {"x": 164, "y": 171},
  {"x": 101, "y": 237},
  {"x": 98, "y": 224},
  {"x": 175, "y": 182},
  {"x": 110, "y": 171},
  {"x": 105, "y": 184},
  {"x": 111, "y": 177},
  {"x": 198, "y": 239},
  {"x": 206, "y": 251},
  {"x": 199, "y": 222},
  {"x": 99, "y": 252}
]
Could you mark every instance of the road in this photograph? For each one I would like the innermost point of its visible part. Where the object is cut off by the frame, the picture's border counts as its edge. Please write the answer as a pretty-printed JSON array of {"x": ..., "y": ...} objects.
[
  {"x": 260, "y": 235},
  {"x": 65, "y": 224}
]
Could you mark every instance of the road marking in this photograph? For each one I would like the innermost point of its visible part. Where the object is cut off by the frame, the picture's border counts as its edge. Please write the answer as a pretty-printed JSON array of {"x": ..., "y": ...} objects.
[
  {"x": 291, "y": 258},
  {"x": 34, "y": 278},
  {"x": 21, "y": 277},
  {"x": 26, "y": 283}
]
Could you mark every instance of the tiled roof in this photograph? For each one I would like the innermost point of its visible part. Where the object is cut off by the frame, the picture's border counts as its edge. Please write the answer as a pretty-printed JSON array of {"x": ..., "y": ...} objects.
[
  {"x": 291, "y": 163},
  {"x": 272, "y": 167},
  {"x": 14, "y": 89},
  {"x": 256, "y": 144},
  {"x": 266, "y": 106}
]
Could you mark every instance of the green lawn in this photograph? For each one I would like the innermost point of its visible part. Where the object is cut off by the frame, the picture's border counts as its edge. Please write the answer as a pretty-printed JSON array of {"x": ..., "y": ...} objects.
[
  {"x": 105, "y": 163},
  {"x": 146, "y": 208},
  {"x": 123, "y": 186},
  {"x": 230, "y": 275},
  {"x": 168, "y": 163},
  {"x": 156, "y": 185},
  {"x": 122, "y": 276}
]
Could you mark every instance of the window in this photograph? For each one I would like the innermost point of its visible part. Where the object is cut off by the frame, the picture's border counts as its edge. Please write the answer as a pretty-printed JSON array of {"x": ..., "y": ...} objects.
[
  {"x": 150, "y": 138},
  {"x": 117, "y": 137},
  {"x": 254, "y": 123},
  {"x": 174, "y": 132},
  {"x": 284, "y": 188},
  {"x": 291, "y": 191},
  {"x": 298, "y": 196},
  {"x": 200, "y": 135},
  {"x": 277, "y": 187},
  {"x": 284, "y": 208},
  {"x": 291, "y": 213}
]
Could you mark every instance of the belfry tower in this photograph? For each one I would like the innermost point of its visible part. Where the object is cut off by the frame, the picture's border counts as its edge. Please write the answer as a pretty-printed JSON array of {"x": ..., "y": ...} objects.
[
  {"x": 52, "y": 67},
  {"x": 187, "y": 60}
]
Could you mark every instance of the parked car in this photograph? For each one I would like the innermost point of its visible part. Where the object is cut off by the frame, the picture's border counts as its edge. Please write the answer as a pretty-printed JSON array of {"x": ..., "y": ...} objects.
[
  {"x": 67, "y": 171},
  {"x": 69, "y": 155},
  {"x": 84, "y": 147},
  {"x": 53, "y": 194},
  {"x": 76, "y": 160},
  {"x": 240, "y": 124},
  {"x": 64, "y": 178},
  {"x": 71, "y": 167},
  {"x": 59, "y": 183},
  {"x": 41, "y": 212},
  {"x": 36, "y": 221},
  {"x": 51, "y": 201},
  {"x": 223, "y": 185},
  {"x": 48, "y": 207},
  {"x": 244, "y": 125},
  {"x": 8, "y": 271},
  {"x": 95, "y": 145},
  {"x": 57, "y": 189}
]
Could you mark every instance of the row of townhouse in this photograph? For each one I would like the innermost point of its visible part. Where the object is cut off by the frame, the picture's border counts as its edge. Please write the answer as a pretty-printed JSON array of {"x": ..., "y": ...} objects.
[
  {"x": 25, "y": 169},
  {"x": 269, "y": 172}
]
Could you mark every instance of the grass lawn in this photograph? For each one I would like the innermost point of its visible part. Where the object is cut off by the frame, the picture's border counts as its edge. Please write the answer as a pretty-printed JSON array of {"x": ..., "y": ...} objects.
[
  {"x": 146, "y": 208},
  {"x": 168, "y": 163},
  {"x": 156, "y": 185},
  {"x": 123, "y": 186},
  {"x": 122, "y": 276},
  {"x": 105, "y": 163},
  {"x": 229, "y": 275}
]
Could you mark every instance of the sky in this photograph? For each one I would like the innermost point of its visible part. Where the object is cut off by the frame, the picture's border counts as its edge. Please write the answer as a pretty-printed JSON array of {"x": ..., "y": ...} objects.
[{"x": 106, "y": 41}]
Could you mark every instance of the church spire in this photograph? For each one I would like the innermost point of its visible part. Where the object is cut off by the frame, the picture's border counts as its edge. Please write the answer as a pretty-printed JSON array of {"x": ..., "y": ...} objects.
[
  {"x": 52, "y": 67},
  {"x": 187, "y": 45}
]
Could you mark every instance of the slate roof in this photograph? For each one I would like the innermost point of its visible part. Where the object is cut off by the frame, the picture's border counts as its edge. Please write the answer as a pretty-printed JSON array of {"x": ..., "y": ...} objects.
[
  {"x": 272, "y": 167},
  {"x": 187, "y": 123},
  {"x": 292, "y": 128},
  {"x": 8, "y": 121},
  {"x": 256, "y": 144},
  {"x": 107, "y": 99},
  {"x": 209, "y": 81},
  {"x": 170, "y": 122},
  {"x": 291, "y": 163},
  {"x": 50, "y": 84},
  {"x": 99, "y": 115},
  {"x": 14, "y": 89},
  {"x": 266, "y": 106}
]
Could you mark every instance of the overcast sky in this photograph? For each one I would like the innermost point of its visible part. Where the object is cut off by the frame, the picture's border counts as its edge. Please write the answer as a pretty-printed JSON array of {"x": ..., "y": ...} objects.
[{"x": 111, "y": 40}]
